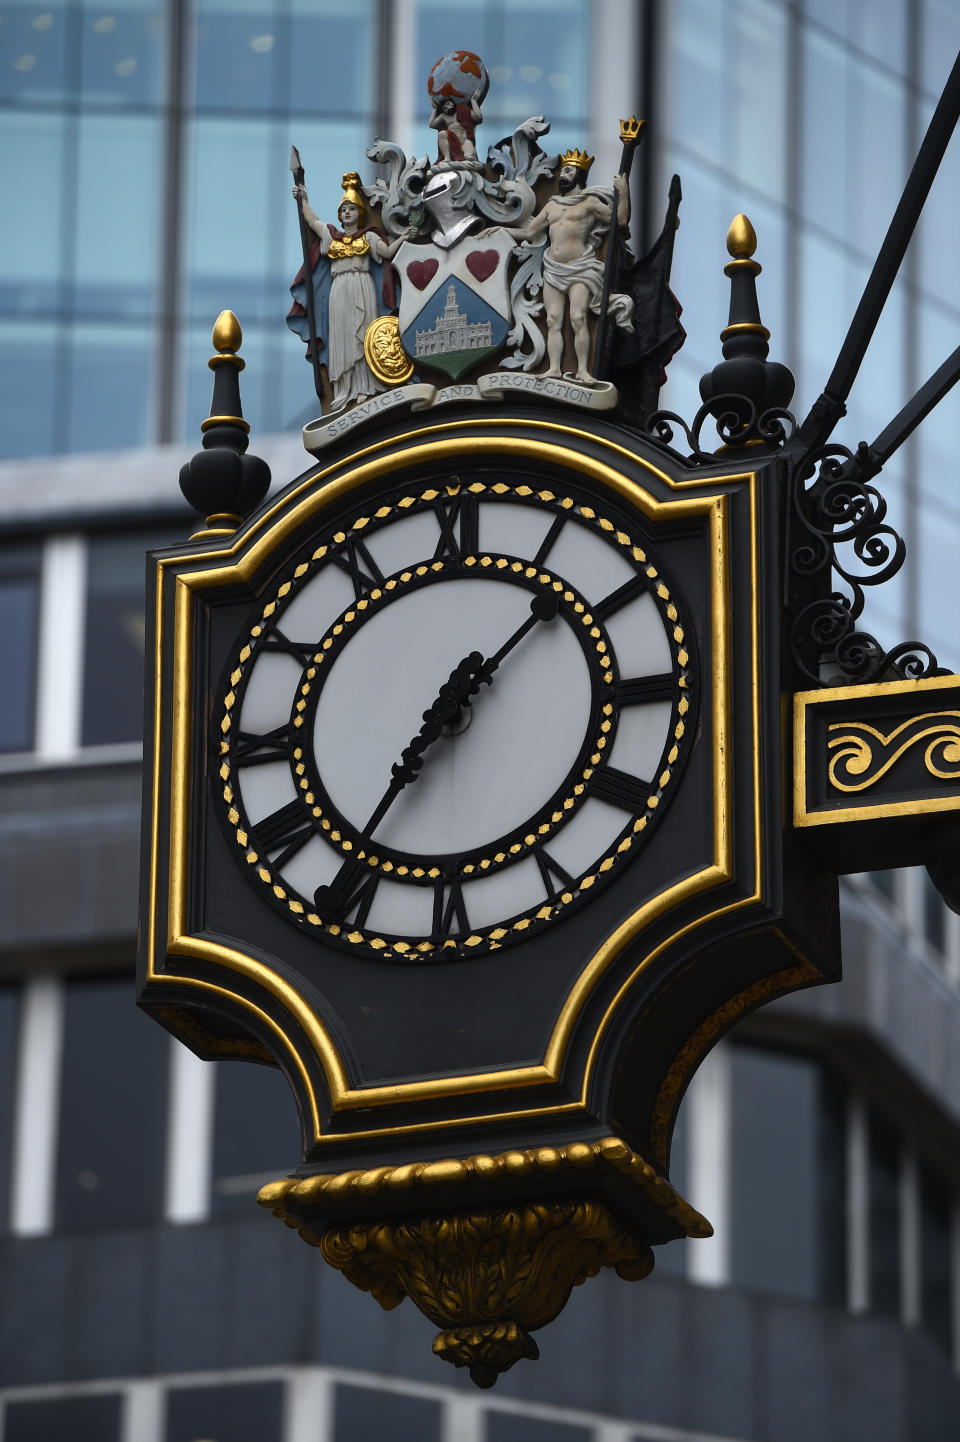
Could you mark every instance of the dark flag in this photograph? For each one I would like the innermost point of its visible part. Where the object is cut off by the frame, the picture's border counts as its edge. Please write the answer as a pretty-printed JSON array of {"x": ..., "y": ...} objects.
[{"x": 641, "y": 356}]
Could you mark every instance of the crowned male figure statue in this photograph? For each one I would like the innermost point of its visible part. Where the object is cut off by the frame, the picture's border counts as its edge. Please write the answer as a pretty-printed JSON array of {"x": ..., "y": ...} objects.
[{"x": 576, "y": 220}]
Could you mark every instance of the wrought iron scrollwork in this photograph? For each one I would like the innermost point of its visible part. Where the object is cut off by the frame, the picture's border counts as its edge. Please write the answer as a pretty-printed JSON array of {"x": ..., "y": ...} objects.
[
  {"x": 841, "y": 509},
  {"x": 737, "y": 420}
]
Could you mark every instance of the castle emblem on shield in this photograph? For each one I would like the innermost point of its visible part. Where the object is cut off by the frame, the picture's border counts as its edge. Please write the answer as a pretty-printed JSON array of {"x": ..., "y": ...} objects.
[{"x": 454, "y": 302}]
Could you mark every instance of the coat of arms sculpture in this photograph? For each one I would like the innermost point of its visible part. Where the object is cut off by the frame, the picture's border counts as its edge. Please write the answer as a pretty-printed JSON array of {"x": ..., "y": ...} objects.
[{"x": 456, "y": 280}]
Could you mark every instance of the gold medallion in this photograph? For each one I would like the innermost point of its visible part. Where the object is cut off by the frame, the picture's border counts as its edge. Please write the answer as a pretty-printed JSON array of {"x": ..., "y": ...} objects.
[{"x": 384, "y": 353}]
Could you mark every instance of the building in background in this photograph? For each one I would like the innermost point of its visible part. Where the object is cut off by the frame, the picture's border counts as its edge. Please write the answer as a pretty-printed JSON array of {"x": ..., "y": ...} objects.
[{"x": 143, "y": 1297}]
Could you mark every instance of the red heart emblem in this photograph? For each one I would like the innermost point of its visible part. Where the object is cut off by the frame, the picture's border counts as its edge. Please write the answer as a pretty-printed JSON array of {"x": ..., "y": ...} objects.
[
  {"x": 421, "y": 272},
  {"x": 482, "y": 263}
]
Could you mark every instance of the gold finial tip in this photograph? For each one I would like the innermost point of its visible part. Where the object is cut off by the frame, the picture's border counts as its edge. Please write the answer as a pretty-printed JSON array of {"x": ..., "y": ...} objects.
[
  {"x": 630, "y": 129},
  {"x": 741, "y": 238},
  {"x": 227, "y": 334}
]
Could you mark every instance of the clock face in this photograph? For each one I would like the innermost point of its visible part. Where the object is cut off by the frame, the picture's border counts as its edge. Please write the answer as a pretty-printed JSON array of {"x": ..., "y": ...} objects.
[{"x": 455, "y": 717}]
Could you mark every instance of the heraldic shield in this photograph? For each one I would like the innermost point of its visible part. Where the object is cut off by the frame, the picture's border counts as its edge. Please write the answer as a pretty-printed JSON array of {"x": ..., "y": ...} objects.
[{"x": 454, "y": 307}]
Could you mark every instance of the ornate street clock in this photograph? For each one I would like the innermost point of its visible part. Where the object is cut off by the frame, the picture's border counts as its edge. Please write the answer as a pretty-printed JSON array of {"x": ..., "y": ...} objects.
[
  {"x": 504, "y": 759},
  {"x": 466, "y": 810}
]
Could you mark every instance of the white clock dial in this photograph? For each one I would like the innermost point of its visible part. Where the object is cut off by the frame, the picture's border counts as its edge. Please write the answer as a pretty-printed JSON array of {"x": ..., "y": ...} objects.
[
  {"x": 481, "y": 782},
  {"x": 454, "y": 718}
]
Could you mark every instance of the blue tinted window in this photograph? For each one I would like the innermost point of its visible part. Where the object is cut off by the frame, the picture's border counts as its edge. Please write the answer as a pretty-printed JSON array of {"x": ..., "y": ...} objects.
[
  {"x": 19, "y": 606},
  {"x": 67, "y": 1419},
  {"x": 934, "y": 542},
  {"x": 9, "y": 1011},
  {"x": 31, "y": 146},
  {"x": 101, "y": 55},
  {"x": 107, "y": 394},
  {"x": 854, "y": 143},
  {"x": 504, "y": 1427},
  {"x": 122, "y": 52},
  {"x": 939, "y": 42},
  {"x": 259, "y": 56},
  {"x": 256, "y": 1138},
  {"x": 114, "y": 654},
  {"x": 788, "y": 1176},
  {"x": 116, "y": 230},
  {"x": 936, "y": 1293},
  {"x": 31, "y": 365},
  {"x": 333, "y": 59},
  {"x": 936, "y": 329},
  {"x": 934, "y": 918},
  {"x": 250, "y": 1412},
  {"x": 36, "y": 45},
  {"x": 878, "y": 27},
  {"x": 884, "y": 1229},
  {"x": 733, "y": 59},
  {"x": 671, "y": 1260},
  {"x": 364, "y": 1414},
  {"x": 694, "y": 57},
  {"x": 113, "y": 1108}
]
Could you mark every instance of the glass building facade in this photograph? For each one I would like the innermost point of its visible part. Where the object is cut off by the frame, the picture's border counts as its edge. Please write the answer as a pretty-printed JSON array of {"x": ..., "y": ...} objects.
[{"x": 143, "y": 155}]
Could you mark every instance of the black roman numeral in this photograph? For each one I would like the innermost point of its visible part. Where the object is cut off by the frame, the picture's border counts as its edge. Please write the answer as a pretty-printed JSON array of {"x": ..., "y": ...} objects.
[
  {"x": 549, "y": 540},
  {"x": 647, "y": 688},
  {"x": 620, "y": 597},
  {"x": 275, "y": 640},
  {"x": 619, "y": 788},
  {"x": 354, "y": 558},
  {"x": 285, "y": 831},
  {"x": 448, "y": 908},
  {"x": 253, "y": 750},
  {"x": 550, "y": 869},
  {"x": 459, "y": 519}
]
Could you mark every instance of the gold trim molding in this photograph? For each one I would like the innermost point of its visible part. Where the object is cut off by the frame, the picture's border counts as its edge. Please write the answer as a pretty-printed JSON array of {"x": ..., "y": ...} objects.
[{"x": 291, "y": 1197}]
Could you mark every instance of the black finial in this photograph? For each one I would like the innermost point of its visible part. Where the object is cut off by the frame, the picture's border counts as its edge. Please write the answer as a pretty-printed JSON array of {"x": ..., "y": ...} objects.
[
  {"x": 221, "y": 481},
  {"x": 745, "y": 384}
]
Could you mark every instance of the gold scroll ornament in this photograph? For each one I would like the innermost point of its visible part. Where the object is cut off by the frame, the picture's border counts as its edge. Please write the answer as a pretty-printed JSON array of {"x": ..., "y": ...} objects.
[
  {"x": 384, "y": 353},
  {"x": 862, "y": 755}
]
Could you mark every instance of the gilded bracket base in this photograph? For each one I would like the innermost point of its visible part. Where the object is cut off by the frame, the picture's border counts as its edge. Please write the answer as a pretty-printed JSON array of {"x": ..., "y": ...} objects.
[
  {"x": 487, "y": 1279},
  {"x": 489, "y": 1274}
]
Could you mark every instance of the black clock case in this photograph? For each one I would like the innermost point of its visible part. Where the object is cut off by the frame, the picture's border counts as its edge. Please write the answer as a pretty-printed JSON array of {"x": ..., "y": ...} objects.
[{"x": 594, "y": 1024}]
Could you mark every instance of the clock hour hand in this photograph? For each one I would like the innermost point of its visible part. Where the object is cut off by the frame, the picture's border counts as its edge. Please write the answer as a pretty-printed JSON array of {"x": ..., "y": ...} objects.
[{"x": 462, "y": 683}]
